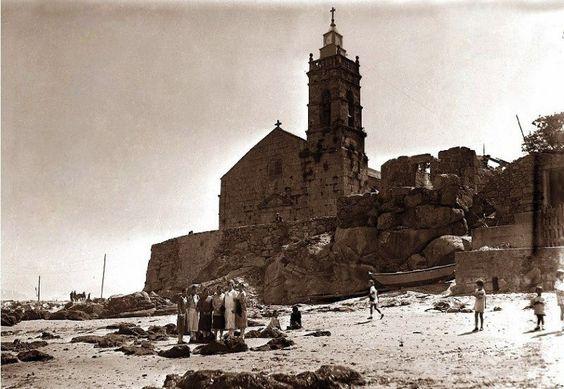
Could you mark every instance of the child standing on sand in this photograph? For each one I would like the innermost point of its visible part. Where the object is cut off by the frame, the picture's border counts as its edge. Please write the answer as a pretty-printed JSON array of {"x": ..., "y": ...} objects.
[
  {"x": 373, "y": 297},
  {"x": 559, "y": 289},
  {"x": 538, "y": 306},
  {"x": 479, "y": 305}
]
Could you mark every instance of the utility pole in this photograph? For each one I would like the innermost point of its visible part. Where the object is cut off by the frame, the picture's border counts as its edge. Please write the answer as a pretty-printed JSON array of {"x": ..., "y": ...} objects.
[
  {"x": 39, "y": 289},
  {"x": 103, "y": 275},
  {"x": 521, "y": 128}
]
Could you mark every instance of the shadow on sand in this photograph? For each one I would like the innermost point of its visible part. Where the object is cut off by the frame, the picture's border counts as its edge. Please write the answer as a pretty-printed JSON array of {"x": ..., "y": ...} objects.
[
  {"x": 363, "y": 322},
  {"x": 555, "y": 333}
]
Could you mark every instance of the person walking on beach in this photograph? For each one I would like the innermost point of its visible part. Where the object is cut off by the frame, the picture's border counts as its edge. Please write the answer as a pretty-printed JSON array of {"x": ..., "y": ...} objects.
[
  {"x": 479, "y": 305},
  {"x": 373, "y": 298},
  {"x": 181, "y": 315},
  {"x": 229, "y": 302},
  {"x": 538, "y": 306},
  {"x": 192, "y": 312},
  {"x": 241, "y": 310},
  {"x": 559, "y": 290},
  {"x": 218, "y": 318}
]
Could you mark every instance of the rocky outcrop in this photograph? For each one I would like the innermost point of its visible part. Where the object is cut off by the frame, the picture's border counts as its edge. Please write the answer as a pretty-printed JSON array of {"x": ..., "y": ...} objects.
[
  {"x": 441, "y": 250},
  {"x": 178, "y": 351},
  {"x": 33, "y": 356},
  {"x": 227, "y": 346}
]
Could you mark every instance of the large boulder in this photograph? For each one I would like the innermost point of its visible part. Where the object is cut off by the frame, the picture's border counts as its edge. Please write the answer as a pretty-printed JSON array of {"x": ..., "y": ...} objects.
[
  {"x": 305, "y": 272},
  {"x": 138, "y": 301},
  {"x": 401, "y": 244},
  {"x": 431, "y": 216},
  {"x": 357, "y": 210},
  {"x": 65, "y": 314},
  {"x": 356, "y": 242},
  {"x": 441, "y": 250}
]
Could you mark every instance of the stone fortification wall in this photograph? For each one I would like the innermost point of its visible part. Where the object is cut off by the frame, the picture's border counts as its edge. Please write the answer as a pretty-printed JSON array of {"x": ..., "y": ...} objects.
[
  {"x": 179, "y": 262},
  {"x": 523, "y": 186},
  {"x": 175, "y": 263},
  {"x": 508, "y": 270}
]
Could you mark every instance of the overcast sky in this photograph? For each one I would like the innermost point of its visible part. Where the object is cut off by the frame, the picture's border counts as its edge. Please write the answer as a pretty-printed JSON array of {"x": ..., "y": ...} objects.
[{"x": 119, "y": 118}]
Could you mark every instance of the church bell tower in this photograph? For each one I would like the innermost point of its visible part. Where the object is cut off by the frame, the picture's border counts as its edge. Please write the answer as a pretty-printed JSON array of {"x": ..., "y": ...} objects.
[{"x": 335, "y": 136}]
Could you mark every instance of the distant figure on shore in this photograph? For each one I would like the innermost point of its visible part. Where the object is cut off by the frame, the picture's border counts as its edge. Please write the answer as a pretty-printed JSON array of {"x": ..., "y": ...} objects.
[
  {"x": 479, "y": 305},
  {"x": 230, "y": 297},
  {"x": 274, "y": 322},
  {"x": 192, "y": 312},
  {"x": 181, "y": 306},
  {"x": 295, "y": 319},
  {"x": 218, "y": 318},
  {"x": 205, "y": 308},
  {"x": 241, "y": 310},
  {"x": 373, "y": 298},
  {"x": 88, "y": 297},
  {"x": 559, "y": 290},
  {"x": 538, "y": 306},
  {"x": 72, "y": 296}
]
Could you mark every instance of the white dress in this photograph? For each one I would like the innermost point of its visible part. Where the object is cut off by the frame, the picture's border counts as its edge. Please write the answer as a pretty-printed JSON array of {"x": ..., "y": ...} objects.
[
  {"x": 192, "y": 316},
  {"x": 230, "y": 298},
  {"x": 559, "y": 289}
]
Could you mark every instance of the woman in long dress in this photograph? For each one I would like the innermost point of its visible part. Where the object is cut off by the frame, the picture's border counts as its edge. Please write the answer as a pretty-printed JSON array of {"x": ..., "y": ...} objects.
[
  {"x": 230, "y": 298},
  {"x": 559, "y": 290},
  {"x": 205, "y": 308},
  {"x": 218, "y": 319},
  {"x": 192, "y": 312},
  {"x": 241, "y": 310}
]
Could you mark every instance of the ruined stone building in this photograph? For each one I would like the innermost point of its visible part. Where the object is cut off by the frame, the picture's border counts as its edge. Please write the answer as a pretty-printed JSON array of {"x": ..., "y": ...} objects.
[{"x": 302, "y": 178}]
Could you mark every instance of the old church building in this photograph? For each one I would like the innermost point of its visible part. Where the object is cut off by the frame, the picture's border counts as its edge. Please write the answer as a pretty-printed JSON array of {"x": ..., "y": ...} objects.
[{"x": 302, "y": 178}]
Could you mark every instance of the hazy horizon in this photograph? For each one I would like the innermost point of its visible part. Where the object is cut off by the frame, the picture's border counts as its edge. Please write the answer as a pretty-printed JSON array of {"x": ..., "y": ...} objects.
[{"x": 120, "y": 117}]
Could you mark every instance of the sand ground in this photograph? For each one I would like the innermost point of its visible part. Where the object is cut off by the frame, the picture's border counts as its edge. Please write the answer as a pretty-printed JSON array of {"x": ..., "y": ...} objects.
[{"x": 410, "y": 347}]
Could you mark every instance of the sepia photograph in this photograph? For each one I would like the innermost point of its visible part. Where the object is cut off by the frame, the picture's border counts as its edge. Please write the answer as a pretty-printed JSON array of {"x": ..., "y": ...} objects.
[{"x": 282, "y": 194}]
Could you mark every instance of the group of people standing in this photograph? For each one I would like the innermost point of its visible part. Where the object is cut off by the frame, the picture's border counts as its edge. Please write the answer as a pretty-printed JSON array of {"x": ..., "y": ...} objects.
[{"x": 212, "y": 314}]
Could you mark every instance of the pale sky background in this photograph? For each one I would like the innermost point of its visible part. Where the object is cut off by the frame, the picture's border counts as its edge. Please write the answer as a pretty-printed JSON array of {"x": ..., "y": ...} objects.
[{"x": 119, "y": 118}]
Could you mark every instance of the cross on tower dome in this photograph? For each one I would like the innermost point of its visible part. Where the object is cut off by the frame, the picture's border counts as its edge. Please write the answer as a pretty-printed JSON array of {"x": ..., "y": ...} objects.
[
  {"x": 278, "y": 123},
  {"x": 332, "y": 16}
]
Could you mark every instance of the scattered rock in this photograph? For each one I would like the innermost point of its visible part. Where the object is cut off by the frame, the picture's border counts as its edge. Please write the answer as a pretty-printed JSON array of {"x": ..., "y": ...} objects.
[
  {"x": 319, "y": 333},
  {"x": 64, "y": 314},
  {"x": 268, "y": 332},
  {"x": 497, "y": 309},
  {"x": 145, "y": 348},
  {"x": 8, "y": 358},
  {"x": 108, "y": 340},
  {"x": 17, "y": 345},
  {"x": 324, "y": 377},
  {"x": 120, "y": 305},
  {"x": 131, "y": 330},
  {"x": 33, "y": 356},
  {"x": 229, "y": 345},
  {"x": 275, "y": 344},
  {"x": 178, "y": 351},
  {"x": 48, "y": 335}
]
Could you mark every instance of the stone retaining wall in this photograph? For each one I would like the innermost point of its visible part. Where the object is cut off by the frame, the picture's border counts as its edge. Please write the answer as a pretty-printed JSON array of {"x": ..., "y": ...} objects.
[{"x": 508, "y": 270}]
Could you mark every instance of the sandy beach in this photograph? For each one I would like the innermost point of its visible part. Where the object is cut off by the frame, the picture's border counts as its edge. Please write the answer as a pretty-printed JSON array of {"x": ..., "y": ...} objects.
[{"x": 409, "y": 347}]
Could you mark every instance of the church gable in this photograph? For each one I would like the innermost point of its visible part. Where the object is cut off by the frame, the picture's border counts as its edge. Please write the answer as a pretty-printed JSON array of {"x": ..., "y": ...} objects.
[
  {"x": 276, "y": 142},
  {"x": 267, "y": 180}
]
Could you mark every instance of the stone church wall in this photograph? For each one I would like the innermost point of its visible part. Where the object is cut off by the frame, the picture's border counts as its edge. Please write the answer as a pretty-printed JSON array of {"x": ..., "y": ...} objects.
[{"x": 266, "y": 181}]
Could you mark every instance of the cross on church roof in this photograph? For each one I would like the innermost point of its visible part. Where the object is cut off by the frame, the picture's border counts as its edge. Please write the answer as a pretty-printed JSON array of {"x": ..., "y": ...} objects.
[
  {"x": 332, "y": 16},
  {"x": 278, "y": 123}
]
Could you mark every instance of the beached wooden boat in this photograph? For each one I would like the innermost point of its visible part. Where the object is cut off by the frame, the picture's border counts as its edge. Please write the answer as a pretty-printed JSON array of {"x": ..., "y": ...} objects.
[{"x": 414, "y": 277}]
